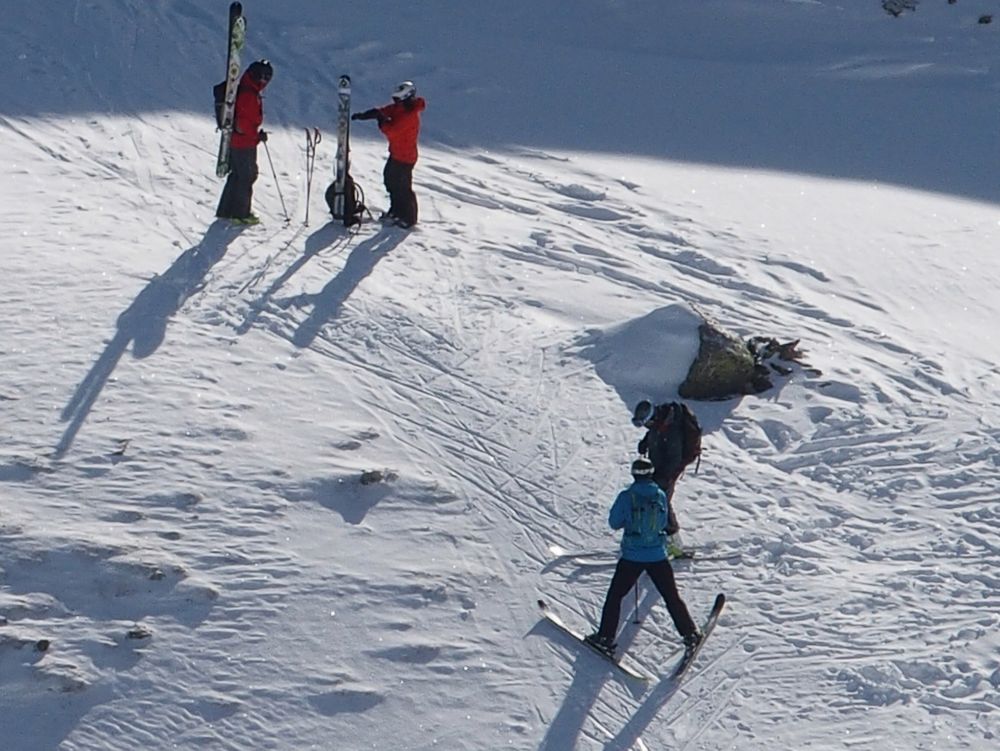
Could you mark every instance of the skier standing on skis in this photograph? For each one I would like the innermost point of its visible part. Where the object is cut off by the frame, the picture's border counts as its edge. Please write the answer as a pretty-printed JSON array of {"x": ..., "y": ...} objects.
[
  {"x": 400, "y": 124},
  {"x": 237, "y": 195},
  {"x": 641, "y": 511}
]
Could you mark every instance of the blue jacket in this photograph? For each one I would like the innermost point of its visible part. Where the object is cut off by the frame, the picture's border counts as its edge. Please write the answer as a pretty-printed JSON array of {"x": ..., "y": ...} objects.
[{"x": 641, "y": 511}]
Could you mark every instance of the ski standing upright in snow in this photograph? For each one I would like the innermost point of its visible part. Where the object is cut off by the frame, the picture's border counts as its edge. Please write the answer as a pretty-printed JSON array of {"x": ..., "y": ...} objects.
[
  {"x": 343, "y": 145},
  {"x": 340, "y": 196},
  {"x": 225, "y": 92}
]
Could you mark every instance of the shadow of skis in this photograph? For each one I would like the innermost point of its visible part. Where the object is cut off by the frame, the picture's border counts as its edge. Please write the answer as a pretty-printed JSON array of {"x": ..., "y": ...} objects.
[
  {"x": 328, "y": 237},
  {"x": 328, "y": 302}
]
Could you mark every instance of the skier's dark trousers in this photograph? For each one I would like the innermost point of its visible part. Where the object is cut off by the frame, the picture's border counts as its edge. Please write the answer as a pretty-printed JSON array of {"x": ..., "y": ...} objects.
[
  {"x": 237, "y": 195},
  {"x": 627, "y": 573},
  {"x": 398, "y": 179}
]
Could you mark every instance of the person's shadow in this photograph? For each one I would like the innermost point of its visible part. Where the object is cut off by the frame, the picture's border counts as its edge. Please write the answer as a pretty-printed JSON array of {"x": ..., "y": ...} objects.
[
  {"x": 144, "y": 323},
  {"x": 328, "y": 301}
]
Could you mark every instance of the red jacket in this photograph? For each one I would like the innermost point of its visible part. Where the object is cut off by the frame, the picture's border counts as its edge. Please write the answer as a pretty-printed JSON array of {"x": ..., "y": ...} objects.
[
  {"x": 249, "y": 113},
  {"x": 400, "y": 123}
]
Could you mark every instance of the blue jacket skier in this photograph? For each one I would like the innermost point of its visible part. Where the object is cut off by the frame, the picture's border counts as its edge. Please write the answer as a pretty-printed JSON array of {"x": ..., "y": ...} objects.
[{"x": 641, "y": 511}]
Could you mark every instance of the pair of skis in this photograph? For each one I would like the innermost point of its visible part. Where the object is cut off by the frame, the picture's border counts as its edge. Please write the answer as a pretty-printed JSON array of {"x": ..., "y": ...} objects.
[
  {"x": 626, "y": 668},
  {"x": 338, "y": 205}
]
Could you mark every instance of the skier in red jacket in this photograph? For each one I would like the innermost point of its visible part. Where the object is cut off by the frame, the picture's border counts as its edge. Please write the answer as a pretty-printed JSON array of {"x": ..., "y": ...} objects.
[
  {"x": 237, "y": 195},
  {"x": 400, "y": 123}
]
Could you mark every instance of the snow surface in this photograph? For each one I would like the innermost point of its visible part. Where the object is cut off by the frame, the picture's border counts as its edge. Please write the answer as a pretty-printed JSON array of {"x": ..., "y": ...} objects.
[{"x": 189, "y": 558}]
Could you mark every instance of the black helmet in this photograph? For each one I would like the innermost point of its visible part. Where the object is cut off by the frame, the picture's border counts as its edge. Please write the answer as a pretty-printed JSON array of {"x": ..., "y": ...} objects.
[
  {"x": 261, "y": 71},
  {"x": 642, "y": 467},
  {"x": 643, "y": 414}
]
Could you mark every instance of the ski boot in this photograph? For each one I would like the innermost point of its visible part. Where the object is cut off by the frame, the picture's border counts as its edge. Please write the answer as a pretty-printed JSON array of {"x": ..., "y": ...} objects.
[
  {"x": 601, "y": 644},
  {"x": 692, "y": 640}
]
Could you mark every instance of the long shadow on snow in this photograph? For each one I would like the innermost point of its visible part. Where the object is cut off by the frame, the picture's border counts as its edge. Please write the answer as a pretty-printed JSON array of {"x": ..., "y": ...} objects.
[
  {"x": 57, "y": 725},
  {"x": 806, "y": 91},
  {"x": 144, "y": 323},
  {"x": 327, "y": 303},
  {"x": 585, "y": 689},
  {"x": 330, "y": 235}
]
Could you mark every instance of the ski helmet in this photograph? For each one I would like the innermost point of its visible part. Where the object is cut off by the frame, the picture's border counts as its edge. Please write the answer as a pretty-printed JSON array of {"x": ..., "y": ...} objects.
[
  {"x": 403, "y": 91},
  {"x": 643, "y": 414},
  {"x": 261, "y": 71},
  {"x": 642, "y": 467}
]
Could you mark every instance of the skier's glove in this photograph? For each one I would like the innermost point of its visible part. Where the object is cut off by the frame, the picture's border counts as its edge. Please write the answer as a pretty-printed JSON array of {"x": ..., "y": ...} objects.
[{"x": 262, "y": 137}]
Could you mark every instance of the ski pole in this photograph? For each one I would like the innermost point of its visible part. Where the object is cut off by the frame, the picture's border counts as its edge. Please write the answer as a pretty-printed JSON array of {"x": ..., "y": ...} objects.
[
  {"x": 312, "y": 138},
  {"x": 276, "y": 185}
]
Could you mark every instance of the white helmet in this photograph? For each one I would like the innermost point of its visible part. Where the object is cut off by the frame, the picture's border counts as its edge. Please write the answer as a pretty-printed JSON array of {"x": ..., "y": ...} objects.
[
  {"x": 404, "y": 90},
  {"x": 642, "y": 467}
]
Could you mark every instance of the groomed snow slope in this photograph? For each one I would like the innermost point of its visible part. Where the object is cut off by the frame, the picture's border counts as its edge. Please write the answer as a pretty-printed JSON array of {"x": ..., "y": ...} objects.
[{"x": 188, "y": 555}]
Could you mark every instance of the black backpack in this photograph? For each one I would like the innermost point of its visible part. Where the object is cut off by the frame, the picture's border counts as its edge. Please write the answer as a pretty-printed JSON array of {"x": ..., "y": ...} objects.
[
  {"x": 219, "y": 90},
  {"x": 673, "y": 441},
  {"x": 354, "y": 201}
]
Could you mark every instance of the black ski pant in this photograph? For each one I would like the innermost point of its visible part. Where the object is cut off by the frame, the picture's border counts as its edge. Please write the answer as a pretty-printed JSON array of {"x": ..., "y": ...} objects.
[
  {"x": 667, "y": 486},
  {"x": 398, "y": 178},
  {"x": 237, "y": 196},
  {"x": 626, "y": 575}
]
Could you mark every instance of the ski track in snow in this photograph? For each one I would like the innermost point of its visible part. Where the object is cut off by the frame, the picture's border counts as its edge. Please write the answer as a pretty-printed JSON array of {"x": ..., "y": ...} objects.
[
  {"x": 240, "y": 593},
  {"x": 306, "y": 288}
]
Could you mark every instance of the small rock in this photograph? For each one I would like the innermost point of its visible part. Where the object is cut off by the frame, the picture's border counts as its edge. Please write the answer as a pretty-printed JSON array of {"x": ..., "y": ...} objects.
[
  {"x": 372, "y": 476},
  {"x": 139, "y": 631}
]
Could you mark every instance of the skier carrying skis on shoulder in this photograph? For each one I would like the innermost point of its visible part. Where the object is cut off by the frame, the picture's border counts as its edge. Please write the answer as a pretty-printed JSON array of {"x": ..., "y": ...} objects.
[
  {"x": 641, "y": 511},
  {"x": 400, "y": 124},
  {"x": 237, "y": 195}
]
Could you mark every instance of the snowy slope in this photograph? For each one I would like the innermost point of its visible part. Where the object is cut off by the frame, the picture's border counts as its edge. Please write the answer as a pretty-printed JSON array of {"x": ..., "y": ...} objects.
[{"x": 189, "y": 557}]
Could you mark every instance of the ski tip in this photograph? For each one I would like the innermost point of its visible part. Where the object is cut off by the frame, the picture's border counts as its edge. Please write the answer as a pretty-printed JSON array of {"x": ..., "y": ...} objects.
[
  {"x": 543, "y": 605},
  {"x": 720, "y": 600}
]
